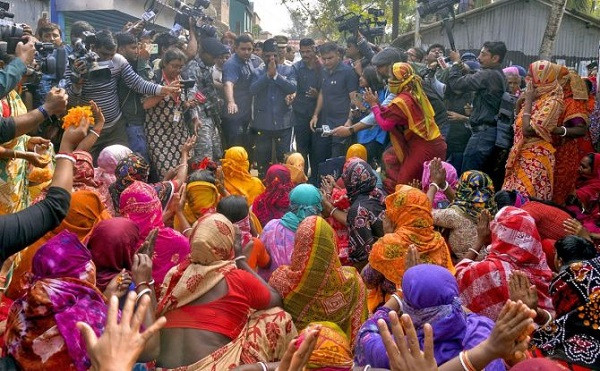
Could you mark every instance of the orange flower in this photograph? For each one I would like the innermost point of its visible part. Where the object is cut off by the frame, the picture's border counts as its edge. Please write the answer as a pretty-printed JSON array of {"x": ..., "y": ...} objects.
[{"x": 75, "y": 114}]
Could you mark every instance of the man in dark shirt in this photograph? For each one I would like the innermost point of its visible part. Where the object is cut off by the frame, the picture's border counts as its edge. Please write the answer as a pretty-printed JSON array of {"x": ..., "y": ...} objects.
[
  {"x": 270, "y": 86},
  {"x": 237, "y": 76},
  {"x": 488, "y": 84},
  {"x": 130, "y": 100},
  {"x": 359, "y": 51},
  {"x": 308, "y": 76},
  {"x": 339, "y": 85}
]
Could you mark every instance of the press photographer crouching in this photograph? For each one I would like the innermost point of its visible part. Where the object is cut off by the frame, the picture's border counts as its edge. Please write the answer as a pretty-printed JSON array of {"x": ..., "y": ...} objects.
[{"x": 93, "y": 73}]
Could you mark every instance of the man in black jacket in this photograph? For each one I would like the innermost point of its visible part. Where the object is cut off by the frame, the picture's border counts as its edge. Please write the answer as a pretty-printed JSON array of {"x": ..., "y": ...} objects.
[{"x": 488, "y": 84}]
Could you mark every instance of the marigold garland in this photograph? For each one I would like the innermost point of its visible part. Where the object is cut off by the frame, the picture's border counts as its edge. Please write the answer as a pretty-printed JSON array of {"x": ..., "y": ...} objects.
[{"x": 75, "y": 114}]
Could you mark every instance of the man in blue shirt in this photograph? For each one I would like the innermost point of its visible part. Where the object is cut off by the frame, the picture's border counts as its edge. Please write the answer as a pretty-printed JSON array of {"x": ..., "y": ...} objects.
[
  {"x": 339, "y": 84},
  {"x": 271, "y": 84},
  {"x": 237, "y": 76},
  {"x": 308, "y": 75}
]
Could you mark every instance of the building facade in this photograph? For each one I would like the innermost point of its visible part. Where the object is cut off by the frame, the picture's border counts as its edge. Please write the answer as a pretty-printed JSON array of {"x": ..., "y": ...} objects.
[{"x": 241, "y": 15}]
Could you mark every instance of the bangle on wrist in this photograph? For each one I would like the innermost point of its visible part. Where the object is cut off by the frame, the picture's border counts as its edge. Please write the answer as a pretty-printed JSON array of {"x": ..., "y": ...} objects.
[
  {"x": 526, "y": 114},
  {"x": 473, "y": 250},
  {"x": 397, "y": 298},
  {"x": 435, "y": 185},
  {"x": 332, "y": 211},
  {"x": 564, "y": 134},
  {"x": 142, "y": 293},
  {"x": 445, "y": 187},
  {"x": 549, "y": 318},
  {"x": 64, "y": 156},
  {"x": 92, "y": 131},
  {"x": 241, "y": 257}
]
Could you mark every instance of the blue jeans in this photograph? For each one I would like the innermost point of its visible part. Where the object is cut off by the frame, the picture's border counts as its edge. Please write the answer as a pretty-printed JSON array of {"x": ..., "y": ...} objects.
[
  {"x": 479, "y": 148},
  {"x": 137, "y": 140}
]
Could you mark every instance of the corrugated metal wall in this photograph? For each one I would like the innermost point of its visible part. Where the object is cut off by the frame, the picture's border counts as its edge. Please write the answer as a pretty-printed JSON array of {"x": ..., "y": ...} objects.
[{"x": 521, "y": 25}]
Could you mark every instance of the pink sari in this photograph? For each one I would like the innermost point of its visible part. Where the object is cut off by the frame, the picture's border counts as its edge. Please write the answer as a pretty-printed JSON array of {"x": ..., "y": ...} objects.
[{"x": 140, "y": 203}]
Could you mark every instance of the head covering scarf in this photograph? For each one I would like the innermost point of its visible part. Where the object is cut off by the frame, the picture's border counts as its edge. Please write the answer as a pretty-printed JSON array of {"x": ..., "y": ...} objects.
[
  {"x": 516, "y": 245},
  {"x": 202, "y": 198},
  {"x": 332, "y": 351},
  {"x": 62, "y": 293},
  {"x": 316, "y": 286},
  {"x": 474, "y": 194},
  {"x": 440, "y": 200},
  {"x": 409, "y": 209},
  {"x": 211, "y": 257},
  {"x": 128, "y": 170},
  {"x": 418, "y": 111},
  {"x": 511, "y": 71},
  {"x": 83, "y": 174},
  {"x": 85, "y": 212},
  {"x": 360, "y": 181},
  {"x": 305, "y": 201},
  {"x": 107, "y": 163},
  {"x": 573, "y": 336},
  {"x": 588, "y": 187},
  {"x": 238, "y": 180},
  {"x": 140, "y": 203},
  {"x": 538, "y": 364},
  {"x": 356, "y": 150},
  {"x": 573, "y": 85},
  {"x": 275, "y": 200},
  {"x": 295, "y": 163},
  {"x": 113, "y": 243}
]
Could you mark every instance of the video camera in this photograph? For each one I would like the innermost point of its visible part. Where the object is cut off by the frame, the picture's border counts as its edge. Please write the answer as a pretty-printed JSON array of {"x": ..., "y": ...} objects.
[
  {"x": 370, "y": 27},
  {"x": 81, "y": 52},
  {"x": 184, "y": 12},
  {"x": 443, "y": 8}
]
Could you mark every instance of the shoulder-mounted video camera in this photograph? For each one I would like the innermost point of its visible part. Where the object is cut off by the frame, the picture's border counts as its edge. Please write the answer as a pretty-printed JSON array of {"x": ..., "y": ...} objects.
[
  {"x": 370, "y": 27},
  {"x": 82, "y": 52},
  {"x": 184, "y": 12}
]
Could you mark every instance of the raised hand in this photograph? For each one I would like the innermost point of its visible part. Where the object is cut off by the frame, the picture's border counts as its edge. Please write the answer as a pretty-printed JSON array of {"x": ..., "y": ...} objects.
[
  {"x": 295, "y": 359},
  {"x": 520, "y": 288},
  {"x": 149, "y": 243}
]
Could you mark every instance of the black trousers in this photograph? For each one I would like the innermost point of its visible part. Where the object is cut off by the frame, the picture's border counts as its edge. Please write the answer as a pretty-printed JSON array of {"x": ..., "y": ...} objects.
[{"x": 270, "y": 146}]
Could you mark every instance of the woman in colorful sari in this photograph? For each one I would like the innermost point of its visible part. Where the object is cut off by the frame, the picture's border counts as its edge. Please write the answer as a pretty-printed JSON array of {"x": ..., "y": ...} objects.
[
  {"x": 315, "y": 286},
  {"x": 40, "y": 330},
  {"x": 140, "y": 203},
  {"x": 434, "y": 300},
  {"x": 104, "y": 174},
  {"x": 279, "y": 234},
  {"x": 85, "y": 212},
  {"x": 219, "y": 316},
  {"x": 584, "y": 202},
  {"x": 135, "y": 168},
  {"x": 474, "y": 194},
  {"x": 574, "y": 122},
  {"x": 530, "y": 165},
  {"x": 516, "y": 245},
  {"x": 572, "y": 337},
  {"x": 409, "y": 212},
  {"x": 113, "y": 244},
  {"x": 409, "y": 118},
  {"x": 295, "y": 164},
  {"x": 238, "y": 180},
  {"x": 332, "y": 350},
  {"x": 440, "y": 199},
  {"x": 364, "y": 217},
  {"x": 275, "y": 200}
]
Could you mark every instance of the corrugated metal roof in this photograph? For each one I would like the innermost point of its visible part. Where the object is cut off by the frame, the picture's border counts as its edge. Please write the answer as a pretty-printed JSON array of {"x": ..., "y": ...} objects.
[{"x": 521, "y": 25}]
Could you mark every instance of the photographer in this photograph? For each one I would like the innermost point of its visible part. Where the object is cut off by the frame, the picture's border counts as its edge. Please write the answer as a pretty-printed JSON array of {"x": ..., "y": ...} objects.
[
  {"x": 12, "y": 73},
  {"x": 82, "y": 89},
  {"x": 488, "y": 84},
  {"x": 359, "y": 51},
  {"x": 51, "y": 33}
]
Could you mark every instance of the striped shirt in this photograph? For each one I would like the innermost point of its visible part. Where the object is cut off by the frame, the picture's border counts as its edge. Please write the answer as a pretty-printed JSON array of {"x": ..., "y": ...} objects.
[{"x": 105, "y": 93}]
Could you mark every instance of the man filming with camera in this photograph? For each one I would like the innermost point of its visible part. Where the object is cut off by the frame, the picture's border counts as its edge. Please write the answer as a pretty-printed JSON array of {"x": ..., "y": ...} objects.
[
  {"x": 12, "y": 73},
  {"x": 488, "y": 84},
  {"x": 94, "y": 74}
]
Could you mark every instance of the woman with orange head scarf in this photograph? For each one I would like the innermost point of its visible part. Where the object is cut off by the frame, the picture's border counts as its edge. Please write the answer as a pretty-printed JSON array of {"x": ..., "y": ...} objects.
[
  {"x": 238, "y": 180},
  {"x": 574, "y": 122},
  {"x": 410, "y": 120},
  {"x": 530, "y": 165},
  {"x": 295, "y": 164}
]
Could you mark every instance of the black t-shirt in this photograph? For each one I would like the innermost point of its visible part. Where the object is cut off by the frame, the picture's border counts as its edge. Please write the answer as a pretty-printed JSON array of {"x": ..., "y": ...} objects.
[{"x": 8, "y": 129}]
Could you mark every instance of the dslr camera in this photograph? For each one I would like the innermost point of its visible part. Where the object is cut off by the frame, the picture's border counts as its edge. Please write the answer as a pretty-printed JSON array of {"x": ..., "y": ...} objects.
[
  {"x": 81, "y": 52},
  {"x": 204, "y": 24}
]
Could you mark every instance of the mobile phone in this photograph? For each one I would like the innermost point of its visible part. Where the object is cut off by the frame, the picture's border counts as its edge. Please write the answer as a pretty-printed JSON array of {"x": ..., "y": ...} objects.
[
  {"x": 326, "y": 131},
  {"x": 152, "y": 48},
  {"x": 148, "y": 16},
  {"x": 200, "y": 97},
  {"x": 442, "y": 62}
]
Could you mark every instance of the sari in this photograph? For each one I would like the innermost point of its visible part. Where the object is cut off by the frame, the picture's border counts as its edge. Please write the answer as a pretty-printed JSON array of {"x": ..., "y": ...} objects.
[
  {"x": 140, "y": 203},
  {"x": 104, "y": 174},
  {"x": 410, "y": 120},
  {"x": 279, "y": 234},
  {"x": 202, "y": 198},
  {"x": 134, "y": 168},
  {"x": 575, "y": 114},
  {"x": 40, "y": 330},
  {"x": 266, "y": 333},
  {"x": 367, "y": 204},
  {"x": 275, "y": 200},
  {"x": 434, "y": 300},
  {"x": 315, "y": 286},
  {"x": 85, "y": 212},
  {"x": 238, "y": 180},
  {"x": 356, "y": 150},
  {"x": 440, "y": 201},
  {"x": 295, "y": 164},
  {"x": 14, "y": 183},
  {"x": 530, "y": 165},
  {"x": 113, "y": 244},
  {"x": 516, "y": 245},
  {"x": 410, "y": 210},
  {"x": 332, "y": 350},
  {"x": 572, "y": 337}
]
